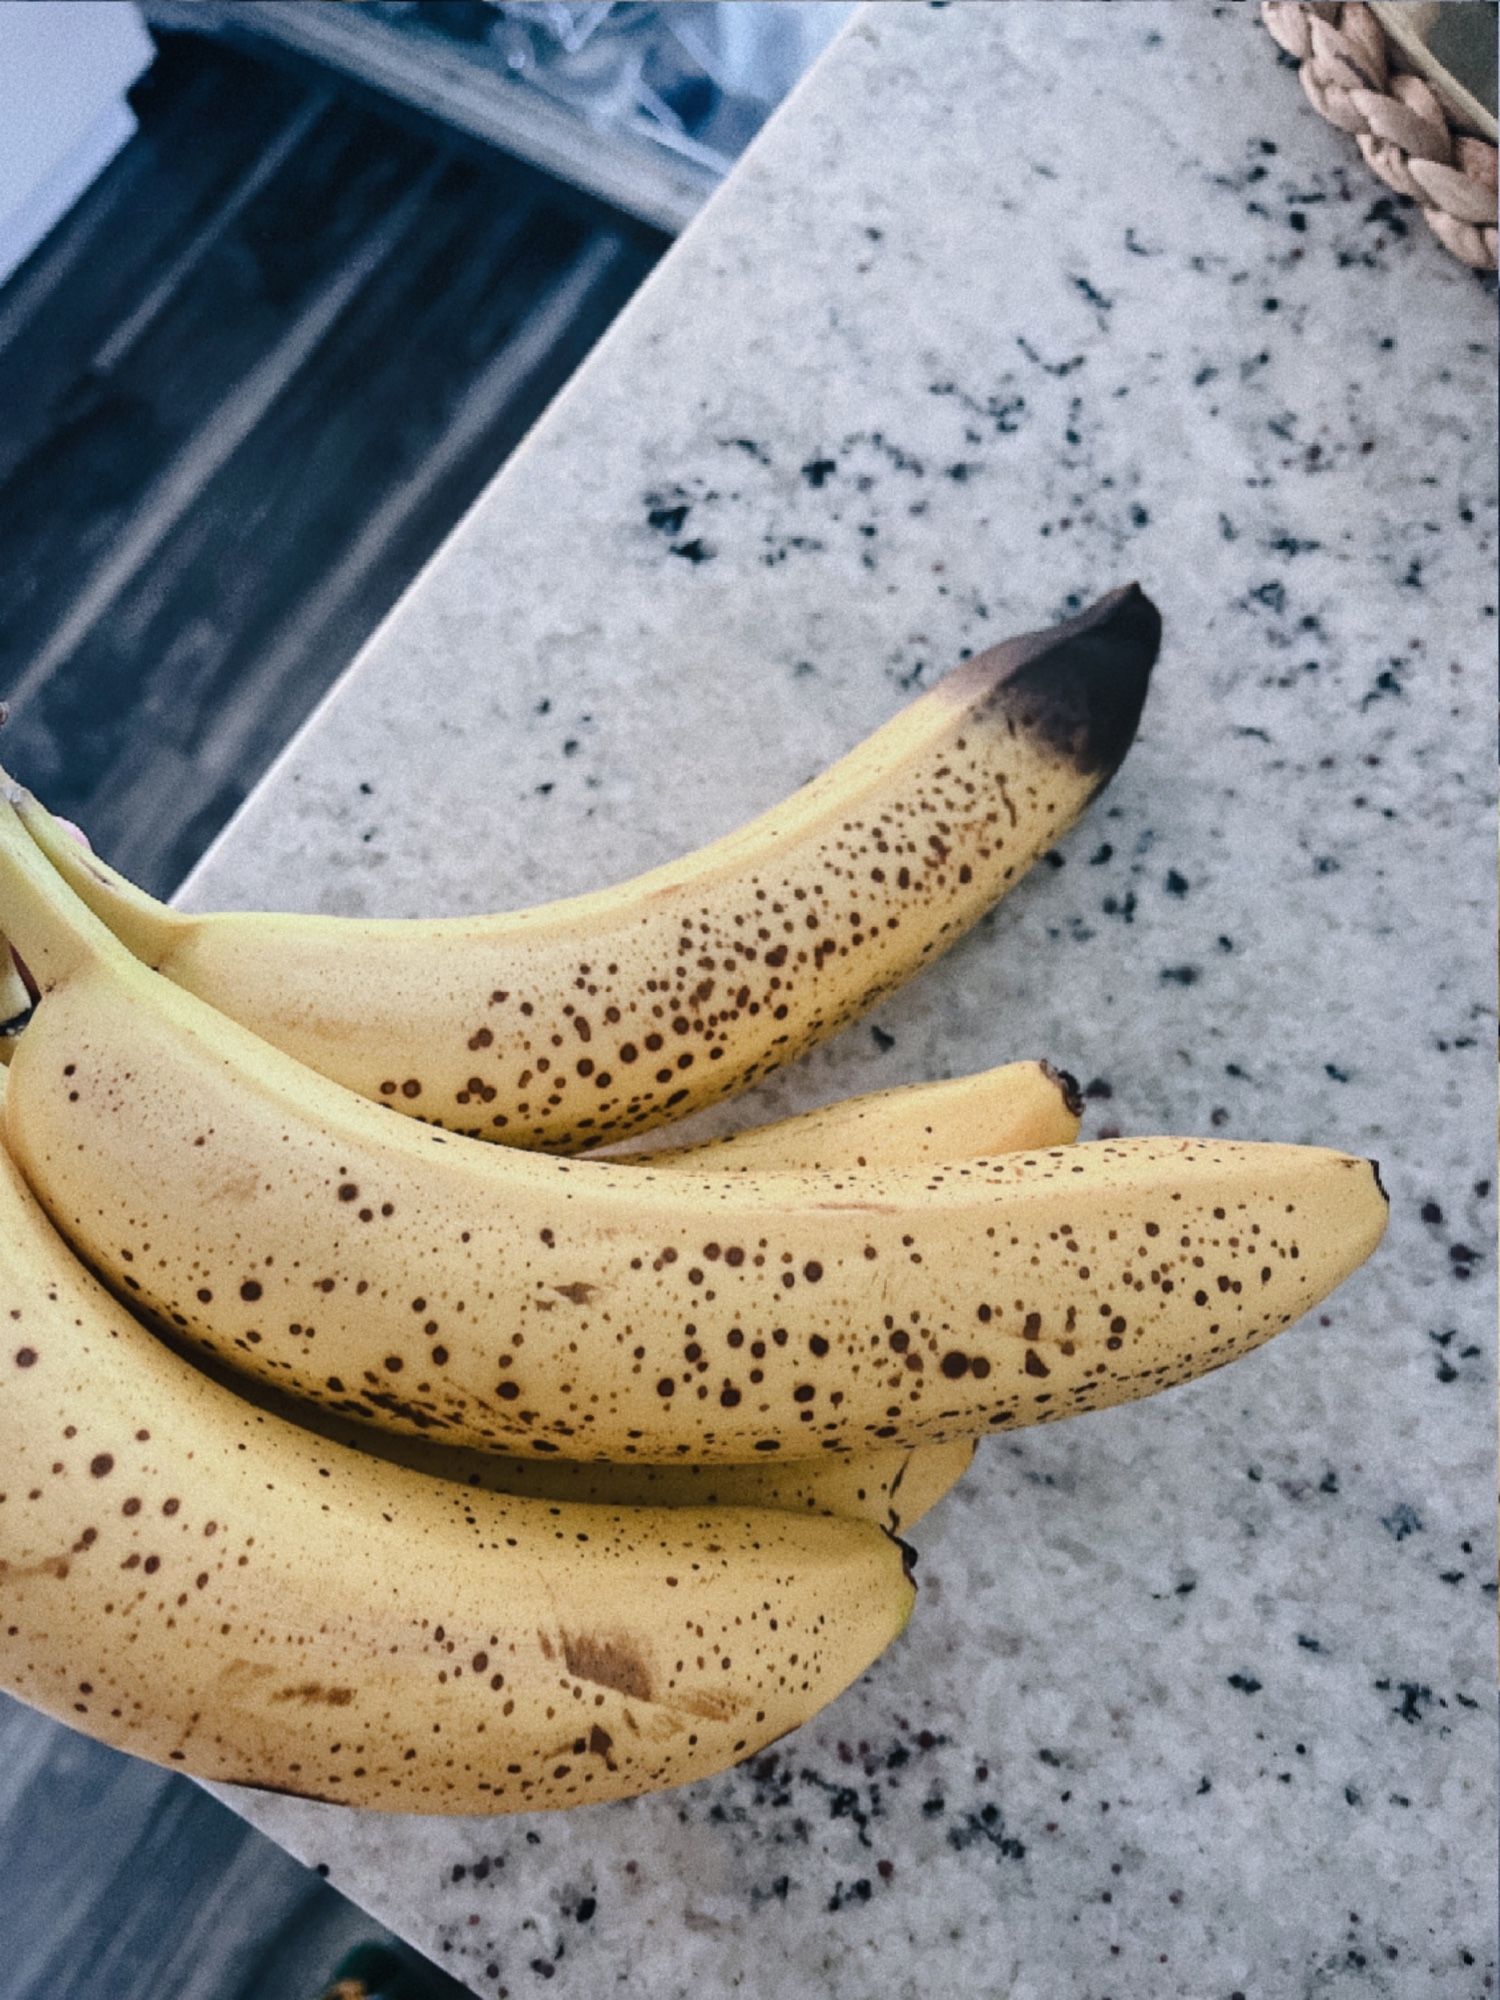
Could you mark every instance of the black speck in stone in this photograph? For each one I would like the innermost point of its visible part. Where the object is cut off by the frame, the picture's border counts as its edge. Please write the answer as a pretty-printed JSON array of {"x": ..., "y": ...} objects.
[
  {"x": 1403, "y": 1520},
  {"x": 1351, "y": 1796},
  {"x": 1094, "y": 296},
  {"x": 1431, "y": 1212},
  {"x": 1246, "y": 1683},
  {"x": 695, "y": 551},
  {"x": 1058, "y": 368},
  {"x": 1333, "y": 1071},
  {"x": 1138, "y": 514},
  {"x": 366, "y": 787},
  {"x": 1179, "y": 975},
  {"x": 1055, "y": 860},
  {"x": 585, "y": 1910},
  {"x": 1205, "y": 1785},
  {"x": 1175, "y": 884},
  {"x": 1297, "y": 221},
  {"x": 544, "y": 706},
  {"x": 1100, "y": 855},
  {"x": 1309, "y": 1645},
  {"x": 960, "y": 472},
  {"x": 1413, "y": 1699},
  {"x": 1135, "y": 246},
  {"x": 881, "y": 1039},
  {"x": 818, "y": 471},
  {"x": 668, "y": 519},
  {"x": 1271, "y": 595},
  {"x": 1099, "y": 1089},
  {"x": 986, "y": 1825},
  {"x": 1270, "y": 305},
  {"x": 1386, "y": 212},
  {"x": 1329, "y": 1483}
]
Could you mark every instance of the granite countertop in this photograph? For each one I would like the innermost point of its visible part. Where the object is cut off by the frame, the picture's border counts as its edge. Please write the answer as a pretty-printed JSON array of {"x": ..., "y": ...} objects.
[{"x": 1011, "y": 304}]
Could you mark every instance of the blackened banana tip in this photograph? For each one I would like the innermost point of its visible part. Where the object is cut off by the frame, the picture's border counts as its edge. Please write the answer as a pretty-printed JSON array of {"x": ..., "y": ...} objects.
[
  {"x": 1081, "y": 687},
  {"x": 1068, "y": 1087},
  {"x": 1374, "y": 1166}
]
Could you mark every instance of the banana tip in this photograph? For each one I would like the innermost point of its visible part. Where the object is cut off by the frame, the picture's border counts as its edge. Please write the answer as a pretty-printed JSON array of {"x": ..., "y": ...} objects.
[
  {"x": 1374, "y": 1166},
  {"x": 1080, "y": 687},
  {"x": 1068, "y": 1087}
]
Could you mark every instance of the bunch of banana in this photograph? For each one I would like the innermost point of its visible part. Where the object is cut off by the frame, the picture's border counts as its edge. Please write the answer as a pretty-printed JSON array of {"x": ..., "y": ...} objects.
[
  {"x": 578, "y": 1420},
  {"x": 330, "y": 1611},
  {"x": 216, "y": 1589}
]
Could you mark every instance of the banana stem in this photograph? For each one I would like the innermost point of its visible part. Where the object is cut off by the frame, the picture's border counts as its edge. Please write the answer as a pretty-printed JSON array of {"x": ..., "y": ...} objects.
[
  {"x": 39, "y": 914},
  {"x": 143, "y": 925}
]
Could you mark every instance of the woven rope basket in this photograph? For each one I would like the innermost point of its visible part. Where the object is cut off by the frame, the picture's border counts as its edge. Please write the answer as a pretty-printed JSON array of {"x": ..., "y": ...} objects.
[{"x": 1423, "y": 134}]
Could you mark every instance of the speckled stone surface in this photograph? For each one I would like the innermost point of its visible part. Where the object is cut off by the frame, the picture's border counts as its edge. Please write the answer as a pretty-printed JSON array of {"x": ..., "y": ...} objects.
[{"x": 1010, "y": 304}]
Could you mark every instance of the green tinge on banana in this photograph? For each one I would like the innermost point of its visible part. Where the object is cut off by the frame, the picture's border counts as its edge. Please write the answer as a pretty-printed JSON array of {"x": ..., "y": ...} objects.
[
  {"x": 584, "y": 1021},
  {"x": 195, "y": 1581},
  {"x": 588, "y": 1310},
  {"x": 1001, "y": 1110}
]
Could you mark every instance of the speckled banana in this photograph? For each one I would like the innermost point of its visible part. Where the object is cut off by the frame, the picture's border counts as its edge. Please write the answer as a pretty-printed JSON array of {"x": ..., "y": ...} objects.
[
  {"x": 587, "y": 1020},
  {"x": 1000, "y": 1110},
  {"x": 1004, "y": 1110},
  {"x": 207, "y": 1586},
  {"x": 595, "y": 1310}
]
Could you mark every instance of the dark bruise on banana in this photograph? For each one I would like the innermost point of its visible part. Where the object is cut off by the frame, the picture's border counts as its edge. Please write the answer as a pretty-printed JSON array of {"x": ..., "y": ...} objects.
[
  {"x": 207, "y": 1586},
  {"x": 585, "y": 1021}
]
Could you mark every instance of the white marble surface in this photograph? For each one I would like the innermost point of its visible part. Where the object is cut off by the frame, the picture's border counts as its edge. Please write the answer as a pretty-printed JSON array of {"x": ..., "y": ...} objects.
[{"x": 1012, "y": 303}]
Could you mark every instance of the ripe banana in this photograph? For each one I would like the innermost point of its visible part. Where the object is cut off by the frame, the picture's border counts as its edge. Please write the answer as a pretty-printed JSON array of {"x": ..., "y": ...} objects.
[
  {"x": 587, "y": 1020},
  {"x": 1011, "y": 1109},
  {"x": 597, "y": 1310},
  {"x": 202, "y": 1584},
  {"x": 1002, "y": 1110}
]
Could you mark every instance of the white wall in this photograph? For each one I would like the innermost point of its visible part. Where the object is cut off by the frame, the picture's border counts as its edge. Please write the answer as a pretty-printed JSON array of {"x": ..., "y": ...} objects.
[{"x": 64, "y": 68}]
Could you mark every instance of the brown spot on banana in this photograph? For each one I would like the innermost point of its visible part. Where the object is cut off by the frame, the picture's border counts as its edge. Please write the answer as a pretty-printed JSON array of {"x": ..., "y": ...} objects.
[{"x": 611, "y": 1661}]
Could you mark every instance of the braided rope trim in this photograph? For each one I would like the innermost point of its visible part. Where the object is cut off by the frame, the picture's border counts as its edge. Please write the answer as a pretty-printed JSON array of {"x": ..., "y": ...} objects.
[{"x": 1397, "y": 120}]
